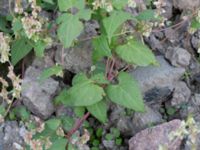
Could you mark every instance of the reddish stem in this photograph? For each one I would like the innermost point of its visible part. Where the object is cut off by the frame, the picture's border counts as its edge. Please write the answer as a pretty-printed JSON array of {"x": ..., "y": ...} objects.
[{"x": 77, "y": 125}]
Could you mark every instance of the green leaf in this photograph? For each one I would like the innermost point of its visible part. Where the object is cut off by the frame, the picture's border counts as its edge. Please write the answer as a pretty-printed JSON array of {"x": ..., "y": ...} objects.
[
  {"x": 22, "y": 112},
  {"x": 146, "y": 15},
  {"x": 19, "y": 49},
  {"x": 195, "y": 24},
  {"x": 60, "y": 97},
  {"x": 69, "y": 29},
  {"x": 119, "y": 4},
  {"x": 2, "y": 110},
  {"x": 126, "y": 93},
  {"x": 135, "y": 52},
  {"x": 17, "y": 25},
  {"x": 99, "y": 110},
  {"x": 84, "y": 14},
  {"x": 64, "y": 5},
  {"x": 53, "y": 124},
  {"x": 3, "y": 25},
  {"x": 114, "y": 21},
  {"x": 49, "y": 2},
  {"x": 39, "y": 48},
  {"x": 79, "y": 111},
  {"x": 100, "y": 78},
  {"x": 83, "y": 93},
  {"x": 54, "y": 70},
  {"x": 101, "y": 48},
  {"x": 59, "y": 144},
  {"x": 67, "y": 123}
]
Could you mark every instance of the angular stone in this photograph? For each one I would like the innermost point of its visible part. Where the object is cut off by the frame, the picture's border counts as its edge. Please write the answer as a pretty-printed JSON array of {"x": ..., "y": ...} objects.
[
  {"x": 181, "y": 94},
  {"x": 148, "y": 118},
  {"x": 152, "y": 138},
  {"x": 186, "y": 4},
  {"x": 37, "y": 96},
  {"x": 10, "y": 138},
  {"x": 164, "y": 75},
  {"x": 4, "y": 6},
  {"x": 178, "y": 57}
]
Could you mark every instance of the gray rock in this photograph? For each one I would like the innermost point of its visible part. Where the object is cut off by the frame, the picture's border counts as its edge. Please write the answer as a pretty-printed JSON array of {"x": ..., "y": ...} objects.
[
  {"x": 79, "y": 58},
  {"x": 155, "y": 43},
  {"x": 195, "y": 41},
  {"x": 75, "y": 59},
  {"x": 37, "y": 96},
  {"x": 178, "y": 57},
  {"x": 152, "y": 138},
  {"x": 4, "y": 6},
  {"x": 109, "y": 144},
  {"x": 196, "y": 99},
  {"x": 148, "y": 118},
  {"x": 186, "y": 4},
  {"x": 125, "y": 126},
  {"x": 168, "y": 9},
  {"x": 157, "y": 76},
  {"x": 157, "y": 95},
  {"x": 181, "y": 94},
  {"x": 10, "y": 138}
]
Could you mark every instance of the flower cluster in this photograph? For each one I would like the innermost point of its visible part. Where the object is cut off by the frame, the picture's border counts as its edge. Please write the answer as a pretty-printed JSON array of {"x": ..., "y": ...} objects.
[
  {"x": 160, "y": 4},
  {"x": 4, "y": 48},
  {"x": 189, "y": 129},
  {"x": 103, "y": 4}
]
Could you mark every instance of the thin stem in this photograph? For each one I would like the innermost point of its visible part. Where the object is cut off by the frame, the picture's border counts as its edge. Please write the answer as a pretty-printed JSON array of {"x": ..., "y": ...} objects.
[{"x": 78, "y": 124}]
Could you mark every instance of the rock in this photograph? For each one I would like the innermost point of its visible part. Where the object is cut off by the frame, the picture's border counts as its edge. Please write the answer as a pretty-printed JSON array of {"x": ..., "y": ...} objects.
[
  {"x": 4, "y": 6},
  {"x": 125, "y": 126},
  {"x": 10, "y": 138},
  {"x": 37, "y": 96},
  {"x": 168, "y": 9},
  {"x": 178, "y": 57},
  {"x": 157, "y": 95},
  {"x": 186, "y": 4},
  {"x": 181, "y": 94},
  {"x": 148, "y": 118},
  {"x": 75, "y": 59},
  {"x": 109, "y": 144},
  {"x": 152, "y": 138},
  {"x": 79, "y": 58},
  {"x": 64, "y": 111},
  {"x": 196, "y": 99},
  {"x": 155, "y": 43},
  {"x": 195, "y": 40},
  {"x": 157, "y": 76}
]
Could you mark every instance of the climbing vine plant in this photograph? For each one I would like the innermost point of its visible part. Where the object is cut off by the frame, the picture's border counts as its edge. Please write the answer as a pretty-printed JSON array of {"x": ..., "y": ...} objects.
[{"x": 118, "y": 46}]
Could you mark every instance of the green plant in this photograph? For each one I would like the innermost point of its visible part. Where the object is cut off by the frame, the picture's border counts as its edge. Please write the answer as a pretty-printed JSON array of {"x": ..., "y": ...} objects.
[{"x": 91, "y": 92}]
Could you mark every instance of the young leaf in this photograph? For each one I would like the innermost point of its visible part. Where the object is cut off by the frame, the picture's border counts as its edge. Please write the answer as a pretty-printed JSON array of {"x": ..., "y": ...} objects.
[
  {"x": 67, "y": 123},
  {"x": 59, "y": 144},
  {"x": 146, "y": 15},
  {"x": 119, "y": 4},
  {"x": 69, "y": 29},
  {"x": 135, "y": 52},
  {"x": 99, "y": 110},
  {"x": 64, "y": 5},
  {"x": 82, "y": 93},
  {"x": 126, "y": 93},
  {"x": 54, "y": 70},
  {"x": 101, "y": 48},
  {"x": 113, "y": 22},
  {"x": 53, "y": 124},
  {"x": 19, "y": 49},
  {"x": 39, "y": 48},
  {"x": 99, "y": 78},
  {"x": 84, "y": 14}
]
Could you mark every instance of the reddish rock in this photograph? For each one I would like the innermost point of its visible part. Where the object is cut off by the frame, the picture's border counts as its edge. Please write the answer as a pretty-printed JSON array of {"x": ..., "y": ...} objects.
[{"x": 152, "y": 138}]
